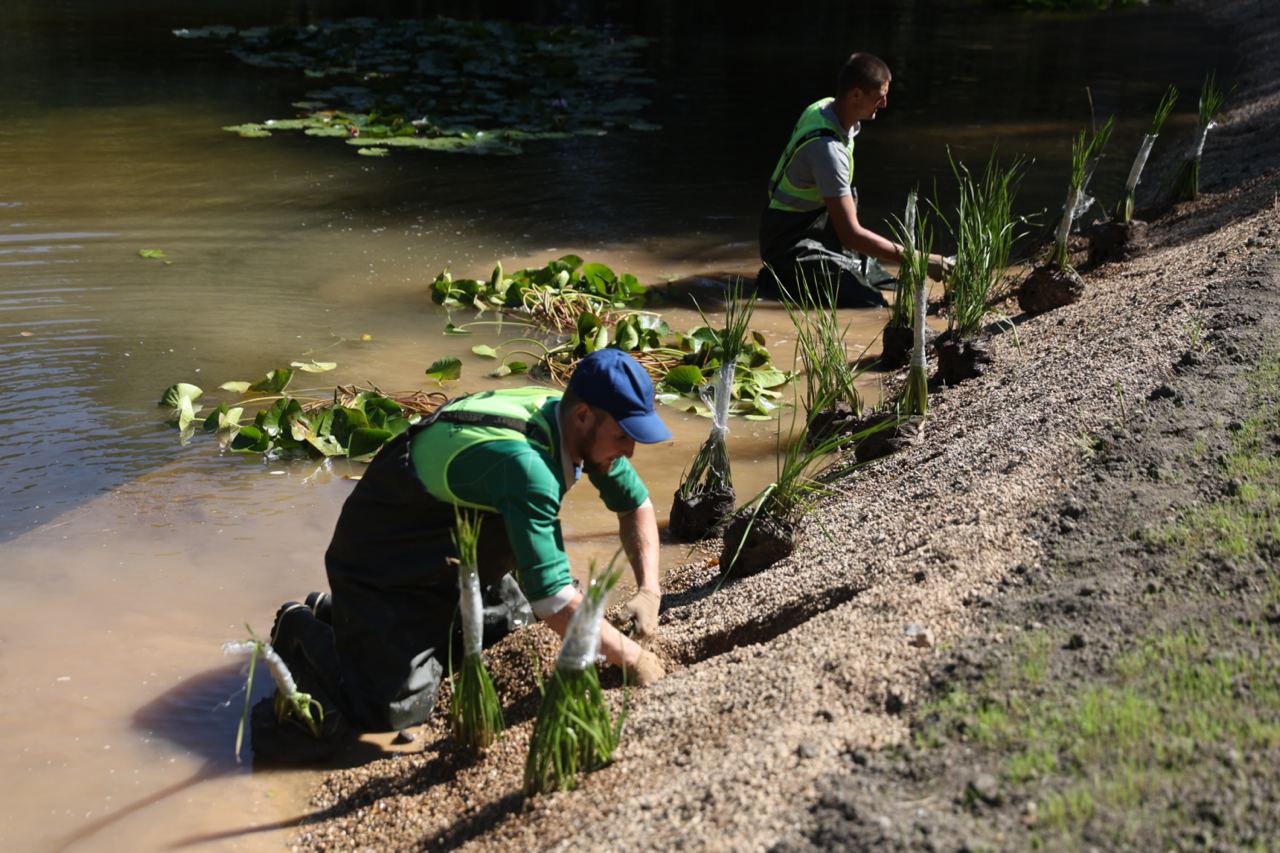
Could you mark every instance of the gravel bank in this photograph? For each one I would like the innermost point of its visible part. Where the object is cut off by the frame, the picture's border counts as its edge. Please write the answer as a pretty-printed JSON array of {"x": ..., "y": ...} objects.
[{"x": 780, "y": 676}]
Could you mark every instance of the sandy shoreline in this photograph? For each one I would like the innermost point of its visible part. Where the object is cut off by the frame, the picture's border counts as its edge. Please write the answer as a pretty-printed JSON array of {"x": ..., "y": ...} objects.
[{"x": 780, "y": 674}]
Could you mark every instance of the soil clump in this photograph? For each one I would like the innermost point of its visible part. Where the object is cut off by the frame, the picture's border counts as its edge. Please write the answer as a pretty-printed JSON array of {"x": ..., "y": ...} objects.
[
  {"x": 1112, "y": 241},
  {"x": 1050, "y": 287},
  {"x": 960, "y": 360},
  {"x": 700, "y": 515}
]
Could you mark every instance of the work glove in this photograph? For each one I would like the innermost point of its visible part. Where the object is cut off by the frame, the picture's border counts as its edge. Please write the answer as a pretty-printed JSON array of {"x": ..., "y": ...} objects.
[
  {"x": 646, "y": 670},
  {"x": 940, "y": 267},
  {"x": 642, "y": 612}
]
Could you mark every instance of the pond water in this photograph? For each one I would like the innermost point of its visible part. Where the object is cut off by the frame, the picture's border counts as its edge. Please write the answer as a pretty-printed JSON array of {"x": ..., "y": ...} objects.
[{"x": 129, "y": 559}]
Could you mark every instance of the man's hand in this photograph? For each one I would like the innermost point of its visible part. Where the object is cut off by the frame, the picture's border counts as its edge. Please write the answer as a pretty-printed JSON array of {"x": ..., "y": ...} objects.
[
  {"x": 642, "y": 611},
  {"x": 940, "y": 267},
  {"x": 646, "y": 670}
]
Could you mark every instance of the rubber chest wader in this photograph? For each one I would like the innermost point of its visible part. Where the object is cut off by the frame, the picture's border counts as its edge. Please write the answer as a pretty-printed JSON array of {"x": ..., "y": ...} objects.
[
  {"x": 394, "y": 592},
  {"x": 795, "y": 228}
]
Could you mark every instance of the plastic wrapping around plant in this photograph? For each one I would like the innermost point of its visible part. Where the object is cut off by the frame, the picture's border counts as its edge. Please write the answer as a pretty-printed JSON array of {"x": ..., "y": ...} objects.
[
  {"x": 1124, "y": 210},
  {"x": 915, "y": 235},
  {"x": 706, "y": 496},
  {"x": 574, "y": 732},
  {"x": 474, "y": 711},
  {"x": 1187, "y": 183},
  {"x": 1086, "y": 152},
  {"x": 290, "y": 704},
  {"x": 984, "y": 230}
]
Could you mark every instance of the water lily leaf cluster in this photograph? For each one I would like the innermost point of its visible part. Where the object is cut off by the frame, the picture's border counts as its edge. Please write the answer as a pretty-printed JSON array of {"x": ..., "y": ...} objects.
[
  {"x": 536, "y": 292},
  {"x": 478, "y": 87},
  {"x": 351, "y": 421}
]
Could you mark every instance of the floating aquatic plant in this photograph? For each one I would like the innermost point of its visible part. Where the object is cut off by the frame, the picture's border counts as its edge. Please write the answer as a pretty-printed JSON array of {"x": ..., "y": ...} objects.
[
  {"x": 1124, "y": 209},
  {"x": 984, "y": 231},
  {"x": 476, "y": 87},
  {"x": 1086, "y": 150},
  {"x": 291, "y": 705},
  {"x": 1187, "y": 184},
  {"x": 474, "y": 712},
  {"x": 916, "y": 237},
  {"x": 348, "y": 420},
  {"x": 574, "y": 732},
  {"x": 582, "y": 307}
]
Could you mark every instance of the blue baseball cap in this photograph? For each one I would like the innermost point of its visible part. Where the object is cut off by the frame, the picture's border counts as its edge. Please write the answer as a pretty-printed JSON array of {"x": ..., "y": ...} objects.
[{"x": 614, "y": 382}]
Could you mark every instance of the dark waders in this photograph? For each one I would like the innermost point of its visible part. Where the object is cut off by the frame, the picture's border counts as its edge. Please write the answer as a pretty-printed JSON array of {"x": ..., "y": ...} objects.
[
  {"x": 795, "y": 244},
  {"x": 381, "y": 657}
]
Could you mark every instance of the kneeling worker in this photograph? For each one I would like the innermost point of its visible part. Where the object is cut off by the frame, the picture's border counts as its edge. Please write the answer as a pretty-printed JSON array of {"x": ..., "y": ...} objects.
[
  {"x": 374, "y": 650},
  {"x": 810, "y": 229}
]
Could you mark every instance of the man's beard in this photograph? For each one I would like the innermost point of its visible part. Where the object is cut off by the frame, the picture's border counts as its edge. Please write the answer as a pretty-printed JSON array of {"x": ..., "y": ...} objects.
[{"x": 594, "y": 466}]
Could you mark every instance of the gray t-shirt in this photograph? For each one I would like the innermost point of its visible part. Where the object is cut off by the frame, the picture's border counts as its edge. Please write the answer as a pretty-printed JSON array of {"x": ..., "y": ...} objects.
[{"x": 824, "y": 162}]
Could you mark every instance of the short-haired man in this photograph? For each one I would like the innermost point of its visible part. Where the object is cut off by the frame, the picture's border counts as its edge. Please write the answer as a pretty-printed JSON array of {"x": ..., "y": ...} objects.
[
  {"x": 375, "y": 648},
  {"x": 810, "y": 228}
]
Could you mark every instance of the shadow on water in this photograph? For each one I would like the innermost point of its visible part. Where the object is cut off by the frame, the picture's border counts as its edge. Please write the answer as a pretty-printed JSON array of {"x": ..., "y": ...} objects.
[{"x": 200, "y": 716}]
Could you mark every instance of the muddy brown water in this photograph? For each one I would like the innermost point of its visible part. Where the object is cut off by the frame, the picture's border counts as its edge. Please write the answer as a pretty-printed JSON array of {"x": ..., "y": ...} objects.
[{"x": 128, "y": 559}]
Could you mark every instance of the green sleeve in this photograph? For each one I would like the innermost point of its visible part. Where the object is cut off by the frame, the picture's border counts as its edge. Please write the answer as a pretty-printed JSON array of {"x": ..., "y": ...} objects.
[
  {"x": 621, "y": 489},
  {"x": 514, "y": 478}
]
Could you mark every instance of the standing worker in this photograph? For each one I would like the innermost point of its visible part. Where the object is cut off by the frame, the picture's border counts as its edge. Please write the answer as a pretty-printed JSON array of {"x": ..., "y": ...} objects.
[
  {"x": 375, "y": 648},
  {"x": 810, "y": 228}
]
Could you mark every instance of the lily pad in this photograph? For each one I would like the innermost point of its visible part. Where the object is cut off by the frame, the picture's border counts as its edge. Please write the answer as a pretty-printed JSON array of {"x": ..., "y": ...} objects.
[
  {"x": 374, "y": 152},
  {"x": 236, "y": 387},
  {"x": 152, "y": 254},
  {"x": 484, "y": 351},
  {"x": 274, "y": 382},
  {"x": 248, "y": 131},
  {"x": 445, "y": 369},
  {"x": 314, "y": 366},
  {"x": 684, "y": 378}
]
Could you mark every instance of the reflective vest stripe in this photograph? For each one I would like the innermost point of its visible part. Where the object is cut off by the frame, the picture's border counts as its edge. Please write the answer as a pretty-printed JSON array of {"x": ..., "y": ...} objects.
[
  {"x": 813, "y": 124},
  {"x": 447, "y": 437}
]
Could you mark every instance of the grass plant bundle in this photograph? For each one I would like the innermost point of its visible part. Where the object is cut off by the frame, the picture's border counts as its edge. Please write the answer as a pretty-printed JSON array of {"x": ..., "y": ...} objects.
[
  {"x": 901, "y": 313},
  {"x": 984, "y": 231},
  {"x": 830, "y": 378},
  {"x": 1124, "y": 209},
  {"x": 1085, "y": 151},
  {"x": 574, "y": 732},
  {"x": 764, "y": 531},
  {"x": 710, "y": 469},
  {"x": 475, "y": 714},
  {"x": 291, "y": 705},
  {"x": 1187, "y": 184},
  {"x": 916, "y": 237}
]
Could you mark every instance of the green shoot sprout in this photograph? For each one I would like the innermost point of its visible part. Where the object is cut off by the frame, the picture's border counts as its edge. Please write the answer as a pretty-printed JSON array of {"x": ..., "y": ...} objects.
[
  {"x": 291, "y": 705},
  {"x": 1187, "y": 184},
  {"x": 474, "y": 711},
  {"x": 574, "y": 732},
  {"x": 1124, "y": 209},
  {"x": 916, "y": 237}
]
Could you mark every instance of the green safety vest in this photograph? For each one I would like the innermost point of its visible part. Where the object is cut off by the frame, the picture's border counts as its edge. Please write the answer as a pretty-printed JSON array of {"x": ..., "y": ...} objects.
[
  {"x": 512, "y": 414},
  {"x": 813, "y": 124}
]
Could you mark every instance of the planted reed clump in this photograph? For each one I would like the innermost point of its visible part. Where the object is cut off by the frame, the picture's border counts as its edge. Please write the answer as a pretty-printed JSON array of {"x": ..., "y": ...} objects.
[
  {"x": 574, "y": 732},
  {"x": 291, "y": 706},
  {"x": 984, "y": 229},
  {"x": 1124, "y": 209},
  {"x": 764, "y": 531},
  {"x": 475, "y": 714},
  {"x": 916, "y": 238},
  {"x": 832, "y": 402},
  {"x": 1187, "y": 184},
  {"x": 896, "y": 338},
  {"x": 706, "y": 496},
  {"x": 1056, "y": 283}
]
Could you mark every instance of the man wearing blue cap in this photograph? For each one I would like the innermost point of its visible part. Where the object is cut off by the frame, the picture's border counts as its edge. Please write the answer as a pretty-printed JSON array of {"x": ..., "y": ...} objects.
[{"x": 374, "y": 649}]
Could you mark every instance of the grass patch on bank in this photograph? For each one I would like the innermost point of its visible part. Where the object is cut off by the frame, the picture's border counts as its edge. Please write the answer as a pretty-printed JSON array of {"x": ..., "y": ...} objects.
[
  {"x": 1115, "y": 755},
  {"x": 1124, "y": 753},
  {"x": 1248, "y": 516}
]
